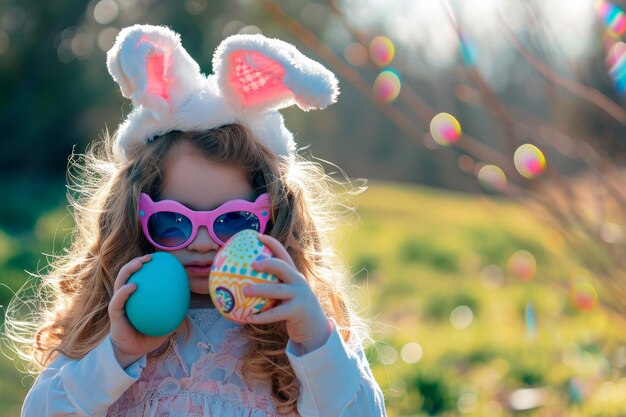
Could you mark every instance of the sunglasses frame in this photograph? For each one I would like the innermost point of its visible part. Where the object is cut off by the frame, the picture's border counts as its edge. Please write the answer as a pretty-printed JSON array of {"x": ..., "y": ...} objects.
[{"x": 146, "y": 207}]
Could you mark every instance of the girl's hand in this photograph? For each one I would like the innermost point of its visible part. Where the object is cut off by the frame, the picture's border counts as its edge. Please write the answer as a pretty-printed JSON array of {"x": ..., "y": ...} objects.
[
  {"x": 128, "y": 343},
  {"x": 298, "y": 306}
]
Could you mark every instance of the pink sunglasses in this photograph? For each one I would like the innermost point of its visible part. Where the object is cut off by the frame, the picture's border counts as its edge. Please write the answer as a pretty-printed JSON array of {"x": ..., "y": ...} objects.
[{"x": 169, "y": 225}]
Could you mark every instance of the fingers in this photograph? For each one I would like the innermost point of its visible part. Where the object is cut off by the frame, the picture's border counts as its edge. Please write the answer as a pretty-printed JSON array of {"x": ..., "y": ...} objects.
[
  {"x": 281, "y": 312},
  {"x": 276, "y": 291},
  {"x": 116, "y": 305},
  {"x": 277, "y": 248},
  {"x": 127, "y": 270},
  {"x": 285, "y": 272}
]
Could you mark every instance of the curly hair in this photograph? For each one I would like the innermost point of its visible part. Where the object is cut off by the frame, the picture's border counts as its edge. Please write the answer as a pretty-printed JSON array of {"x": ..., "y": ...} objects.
[{"x": 73, "y": 316}]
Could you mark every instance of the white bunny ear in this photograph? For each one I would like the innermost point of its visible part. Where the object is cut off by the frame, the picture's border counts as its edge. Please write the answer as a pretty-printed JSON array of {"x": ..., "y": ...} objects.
[
  {"x": 152, "y": 68},
  {"x": 255, "y": 72}
]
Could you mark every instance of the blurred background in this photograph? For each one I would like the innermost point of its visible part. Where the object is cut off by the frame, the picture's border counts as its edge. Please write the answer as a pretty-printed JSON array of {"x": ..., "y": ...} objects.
[{"x": 488, "y": 252}]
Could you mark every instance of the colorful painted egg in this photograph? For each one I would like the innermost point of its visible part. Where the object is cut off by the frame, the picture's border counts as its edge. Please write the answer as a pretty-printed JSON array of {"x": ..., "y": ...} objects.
[
  {"x": 232, "y": 271},
  {"x": 161, "y": 300}
]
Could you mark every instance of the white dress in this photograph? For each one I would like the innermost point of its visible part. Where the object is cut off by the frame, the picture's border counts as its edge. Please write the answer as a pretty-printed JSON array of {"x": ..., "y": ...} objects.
[{"x": 201, "y": 377}]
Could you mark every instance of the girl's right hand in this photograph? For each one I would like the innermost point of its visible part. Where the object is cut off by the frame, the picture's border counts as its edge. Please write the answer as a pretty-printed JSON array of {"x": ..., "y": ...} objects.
[{"x": 129, "y": 344}]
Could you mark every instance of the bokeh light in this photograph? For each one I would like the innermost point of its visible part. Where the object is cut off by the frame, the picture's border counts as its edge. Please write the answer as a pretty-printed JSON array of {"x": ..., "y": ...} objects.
[
  {"x": 529, "y": 161},
  {"x": 314, "y": 15},
  {"x": 356, "y": 54},
  {"x": 616, "y": 61},
  {"x": 492, "y": 276},
  {"x": 613, "y": 17},
  {"x": 465, "y": 163},
  {"x": 583, "y": 295},
  {"x": 611, "y": 233},
  {"x": 195, "y": 7},
  {"x": 386, "y": 86},
  {"x": 106, "y": 38},
  {"x": 461, "y": 317},
  {"x": 382, "y": 51},
  {"x": 445, "y": 129},
  {"x": 388, "y": 355},
  {"x": 530, "y": 319},
  {"x": 492, "y": 177},
  {"x": 526, "y": 399},
  {"x": 522, "y": 265},
  {"x": 411, "y": 353},
  {"x": 577, "y": 390},
  {"x": 468, "y": 50},
  {"x": 467, "y": 402},
  {"x": 105, "y": 11},
  {"x": 82, "y": 44},
  {"x": 64, "y": 44},
  {"x": 250, "y": 30},
  {"x": 232, "y": 27}
]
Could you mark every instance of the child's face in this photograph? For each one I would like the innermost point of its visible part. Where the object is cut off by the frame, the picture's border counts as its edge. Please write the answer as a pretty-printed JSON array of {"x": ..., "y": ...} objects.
[{"x": 201, "y": 184}]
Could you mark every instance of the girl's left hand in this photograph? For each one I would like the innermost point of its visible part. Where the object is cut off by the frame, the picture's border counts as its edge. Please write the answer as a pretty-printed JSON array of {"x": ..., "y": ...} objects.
[{"x": 298, "y": 307}]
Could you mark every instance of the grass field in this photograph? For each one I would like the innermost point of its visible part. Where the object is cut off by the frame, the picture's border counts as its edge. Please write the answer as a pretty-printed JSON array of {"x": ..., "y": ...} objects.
[{"x": 457, "y": 329}]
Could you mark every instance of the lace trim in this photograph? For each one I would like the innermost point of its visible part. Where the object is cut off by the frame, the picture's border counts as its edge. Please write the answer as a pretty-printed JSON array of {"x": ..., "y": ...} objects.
[
  {"x": 205, "y": 318},
  {"x": 216, "y": 377},
  {"x": 195, "y": 404}
]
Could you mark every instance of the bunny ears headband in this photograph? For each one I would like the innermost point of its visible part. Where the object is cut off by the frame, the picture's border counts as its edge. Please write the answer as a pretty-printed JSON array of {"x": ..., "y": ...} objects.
[{"x": 253, "y": 78}]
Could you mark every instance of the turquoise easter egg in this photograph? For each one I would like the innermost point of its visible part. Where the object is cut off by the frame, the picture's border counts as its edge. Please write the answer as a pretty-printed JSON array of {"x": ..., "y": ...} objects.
[{"x": 161, "y": 300}]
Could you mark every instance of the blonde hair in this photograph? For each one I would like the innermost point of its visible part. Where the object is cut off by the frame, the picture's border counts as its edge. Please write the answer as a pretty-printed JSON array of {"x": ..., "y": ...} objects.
[{"x": 305, "y": 211}]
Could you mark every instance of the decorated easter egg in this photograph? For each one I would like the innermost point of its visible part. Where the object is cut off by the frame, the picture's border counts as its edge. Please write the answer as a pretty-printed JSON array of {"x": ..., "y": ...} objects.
[
  {"x": 161, "y": 300},
  {"x": 232, "y": 271}
]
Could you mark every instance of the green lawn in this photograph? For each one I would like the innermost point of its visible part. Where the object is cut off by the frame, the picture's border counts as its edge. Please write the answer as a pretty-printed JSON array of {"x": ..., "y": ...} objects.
[
  {"x": 427, "y": 252},
  {"x": 446, "y": 314}
]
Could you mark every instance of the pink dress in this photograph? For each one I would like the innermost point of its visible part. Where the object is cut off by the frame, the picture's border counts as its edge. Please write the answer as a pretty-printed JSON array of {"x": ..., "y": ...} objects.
[
  {"x": 208, "y": 383},
  {"x": 201, "y": 376}
]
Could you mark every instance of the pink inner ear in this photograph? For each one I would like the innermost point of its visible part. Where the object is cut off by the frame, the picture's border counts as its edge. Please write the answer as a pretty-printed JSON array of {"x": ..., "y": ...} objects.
[
  {"x": 256, "y": 78},
  {"x": 157, "y": 83}
]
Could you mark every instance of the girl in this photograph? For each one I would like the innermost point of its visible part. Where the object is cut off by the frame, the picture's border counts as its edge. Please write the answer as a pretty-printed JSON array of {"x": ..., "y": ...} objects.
[{"x": 203, "y": 141}]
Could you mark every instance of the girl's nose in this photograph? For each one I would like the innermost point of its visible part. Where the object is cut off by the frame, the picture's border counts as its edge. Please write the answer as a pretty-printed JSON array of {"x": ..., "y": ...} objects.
[{"x": 203, "y": 242}]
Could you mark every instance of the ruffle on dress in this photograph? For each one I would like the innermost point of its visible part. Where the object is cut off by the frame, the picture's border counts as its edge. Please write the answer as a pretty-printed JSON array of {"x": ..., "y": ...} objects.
[{"x": 197, "y": 379}]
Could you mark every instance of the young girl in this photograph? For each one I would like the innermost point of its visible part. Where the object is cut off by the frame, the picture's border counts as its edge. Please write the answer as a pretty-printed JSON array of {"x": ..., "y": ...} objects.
[{"x": 203, "y": 141}]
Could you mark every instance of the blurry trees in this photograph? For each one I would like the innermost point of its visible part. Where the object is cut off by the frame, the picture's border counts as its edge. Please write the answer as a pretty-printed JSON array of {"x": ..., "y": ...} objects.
[
  {"x": 576, "y": 122},
  {"x": 56, "y": 92}
]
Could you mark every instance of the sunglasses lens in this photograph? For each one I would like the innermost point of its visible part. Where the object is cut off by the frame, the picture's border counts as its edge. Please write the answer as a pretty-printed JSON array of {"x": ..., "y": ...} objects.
[
  {"x": 228, "y": 224},
  {"x": 169, "y": 229}
]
